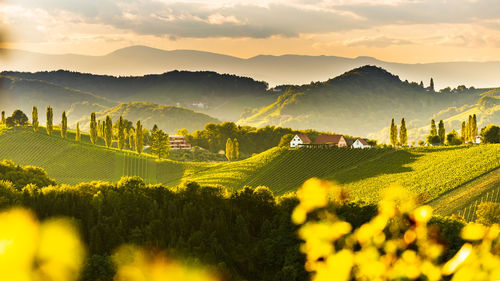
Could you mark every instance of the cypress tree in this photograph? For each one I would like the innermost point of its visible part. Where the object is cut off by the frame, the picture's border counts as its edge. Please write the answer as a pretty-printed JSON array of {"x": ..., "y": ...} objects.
[
  {"x": 78, "y": 136},
  {"x": 433, "y": 131},
  {"x": 121, "y": 133},
  {"x": 421, "y": 84},
  {"x": 394, "y": 133},
  {"x": 99, "y": 129},
  {"x": 441, "y": 131},
  {"x": 93, "y": 128},
  {"x": 131, "y": 138},
  {"x": 469, "y": 128},
  {"x": 34, "y": 118},
  {"x": 139, "y": 139},
  {"x": 50, "y": 116},
  {"x": 64, "y": 125},
  {"x": 108, "y": 131},
  {"x": 236, "y": 149},
  {"x": 403, "y": 136},
  {"x": 229, "y": 149},
  {"x": 3, "y": 117},
  {"x": 463, "y": 132},
  {"x": 431, "y": 86},
  {"x": 474, "y": 127}
]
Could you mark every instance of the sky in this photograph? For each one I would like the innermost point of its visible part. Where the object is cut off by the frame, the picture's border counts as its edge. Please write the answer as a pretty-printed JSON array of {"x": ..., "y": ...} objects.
[{"x": 407, "y": 31}]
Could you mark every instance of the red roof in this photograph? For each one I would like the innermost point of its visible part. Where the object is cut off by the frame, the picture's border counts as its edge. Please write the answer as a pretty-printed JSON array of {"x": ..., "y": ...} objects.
[
  {"x": 335, "y": 139},
  {"x": 304, "y": 138},
  {"x": 363, "y": 141}
]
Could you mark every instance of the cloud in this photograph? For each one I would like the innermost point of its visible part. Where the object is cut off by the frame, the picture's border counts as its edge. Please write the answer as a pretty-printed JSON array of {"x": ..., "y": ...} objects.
[
  {"x": 266, "y": 18},
  {"x": 377, "y": 42}
]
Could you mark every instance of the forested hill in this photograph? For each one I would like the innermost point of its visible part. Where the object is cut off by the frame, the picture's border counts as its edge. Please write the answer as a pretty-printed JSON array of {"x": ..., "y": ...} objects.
[
  {"x": 358, "y": 102},
  {"x": 224, "y": 96},
  {"x": 168, "y": 118}
]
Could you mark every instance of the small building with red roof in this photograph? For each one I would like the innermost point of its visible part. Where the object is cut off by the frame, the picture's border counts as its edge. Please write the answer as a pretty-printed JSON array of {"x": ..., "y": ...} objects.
[{"x": 299, "y": 140}]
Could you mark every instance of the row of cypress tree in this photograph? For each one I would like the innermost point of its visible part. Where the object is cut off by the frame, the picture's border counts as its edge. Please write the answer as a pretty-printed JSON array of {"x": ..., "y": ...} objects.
[{"x": 403, "y": 135}]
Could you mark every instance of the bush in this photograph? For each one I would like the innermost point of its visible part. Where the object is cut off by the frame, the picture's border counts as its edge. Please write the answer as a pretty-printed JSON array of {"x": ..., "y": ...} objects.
[
  {"x": 490, "y": 134},
  {"x": 488, "y": 213}
]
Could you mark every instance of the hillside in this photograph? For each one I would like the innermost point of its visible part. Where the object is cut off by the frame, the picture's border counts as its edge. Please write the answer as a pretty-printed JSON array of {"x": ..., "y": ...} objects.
[
  {"x": 360, "y": 101},
  {"x": 277, "y": 70},
  {"x": 168, "y": 118},
  {"x": 426, "y": 171},
  {"x": 221, "y": 95}
]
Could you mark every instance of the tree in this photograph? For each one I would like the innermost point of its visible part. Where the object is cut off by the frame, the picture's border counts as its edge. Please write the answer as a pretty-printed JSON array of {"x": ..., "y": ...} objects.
[
  {"x": 421, "y": 142},
  {"x": 131, "y": 134},
  {"x": 433, "y": 131},
  {"x": 421, "y": 84},
  {"x": 285, "y": 140},
  {"x": 50, "y": 116},
  {"x": 433, "y": 139},
  {"x": 34, "y": 118},
  {"x": 121, "y": 133},
  {"x": 394, "y": 133},
  {"x": 160, "y": 146},
  {"x": 403, "y": 137},
  {"x": 78, "y": 136},
  {"x": 229, "y": 149},
  {"x": 236, "y": 149},
  {"x": 3, "y": 117},
  {"x": 64, "y": 125},
  {"x": 18, "y": 118},
  {"x": 431, "y": 86},
  {"x": 155, "y": 128},
  {"x": 452, "y": 138},
  {"x": 183, "y": 132},
  {"x": 139, "y": 139},
  {"x": 474, "y": 128},
  {"x": 463, "y": 132},
  {"x": 469, "y": 129},
  {"x": 108, "y": 131},
  {"x": 441, "y": 131},
  {"x": 490, "y": 134},
  {"x": 93, "y": 128}
]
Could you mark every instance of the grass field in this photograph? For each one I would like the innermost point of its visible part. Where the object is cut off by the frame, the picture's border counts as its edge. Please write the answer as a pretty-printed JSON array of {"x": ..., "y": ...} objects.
[{"x": 428, "y": 171}]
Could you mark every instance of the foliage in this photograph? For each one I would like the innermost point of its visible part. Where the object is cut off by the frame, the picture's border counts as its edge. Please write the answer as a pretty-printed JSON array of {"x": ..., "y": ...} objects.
[
  {"x": 490, "y": 134},
  {"x": 21, "y": 176},
  {"x": 18, "y": 118},
  {"x": 441, "y": 131},
  {"x": 50, "y": 116},
  {"x": 121, "y": 133},
  {"x": 93, "y": 128},
  {"x": 397, "y": 244},
  {"x": 452, "y": 138},
  {"x": 394, "y": 133},
  {"x": 229, "y": 149},
  {"x": 285, "y": 140},
  {"x": 433, "y": 139},
  {"x": 78, "y": 134},
  {"x": 139, "y": 146},
  {"x": 108, "y": 131},
  {"x": 488, "y": 213},
  {"x": 64, "y": 125},
  {"x": 34, "y": 118},
  {"x": 160, "y": 145},
  {"x": 3, "y": 118},
  {"x": 236, "y": 150},
  {"x": 403, "y": 135}
]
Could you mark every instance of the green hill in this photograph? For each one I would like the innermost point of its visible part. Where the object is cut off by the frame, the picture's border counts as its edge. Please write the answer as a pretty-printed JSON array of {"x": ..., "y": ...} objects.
[
  {"x": 169, "y": 118},
  {"x": 426, "y": 171}
]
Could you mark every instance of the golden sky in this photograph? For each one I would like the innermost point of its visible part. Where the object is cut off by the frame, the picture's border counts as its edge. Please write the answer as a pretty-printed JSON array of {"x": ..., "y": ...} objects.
[{"x": 412, "y": 31}]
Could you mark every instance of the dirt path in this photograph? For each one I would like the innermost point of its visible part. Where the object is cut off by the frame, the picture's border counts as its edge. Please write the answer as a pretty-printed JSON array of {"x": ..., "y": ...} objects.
[{"x": 456, "y": 199}]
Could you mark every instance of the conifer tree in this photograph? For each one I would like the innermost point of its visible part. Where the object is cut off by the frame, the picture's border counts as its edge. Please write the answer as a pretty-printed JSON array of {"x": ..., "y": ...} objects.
[
  {"x": 441, "y": 131},
  {"x": 421, "y": 84},
  {"x": 139, "y": 139},
  {"x": 64, "y": 125},
  {"x": 433, "y": 131},
  {"x": 78, "y": 135},
  {"x": 431, "y": 86},
  {"x": 108, "y": 131},
  {"x": 403, "y": 136},
  {"x": 394, "y": 133},
  {"x": 131, "y": 134},
  {"x": 3, "y": 117},
  {"x": 469, "y": 128},
  {"x": 229, "y": 149},
  {"x": 236, "y": 149},
  {"x": 474, "y": 127},
  {"x": 463, "y": 132},
  {"x": 93, "y": 128},
  {"x": 50, "y": 116},
  {"x": 121, "y": 133},
  {"x": 34, "y": 118},
  {"x": 99, "y": 129}
]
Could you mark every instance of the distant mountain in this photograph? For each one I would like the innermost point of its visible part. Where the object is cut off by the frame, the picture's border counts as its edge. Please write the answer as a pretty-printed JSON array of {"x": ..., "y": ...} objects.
[
  {"x": 221, "y": 95},
  {"x": 277, "y": 70},
  {"x": 168, "y": 118},
  {"x": 358, "y": 102}
]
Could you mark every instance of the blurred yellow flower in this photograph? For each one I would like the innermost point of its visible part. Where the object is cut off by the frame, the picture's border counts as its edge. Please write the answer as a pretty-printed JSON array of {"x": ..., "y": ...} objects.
[{"x": 473, "y": 231}]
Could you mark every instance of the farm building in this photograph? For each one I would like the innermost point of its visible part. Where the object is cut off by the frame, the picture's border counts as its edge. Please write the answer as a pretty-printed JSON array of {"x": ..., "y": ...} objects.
[
  {"x": 360, "y": 143},
  {"x": 331, "y": 140},
  {"x": 299, "y": 140},
  {"x": 178, "y": 142}
]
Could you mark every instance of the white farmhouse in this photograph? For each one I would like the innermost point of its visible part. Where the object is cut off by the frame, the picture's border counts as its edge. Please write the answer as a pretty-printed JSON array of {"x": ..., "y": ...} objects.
[
  {"x": 298, "y": 140},
  {"x": 360, "y": 143}
]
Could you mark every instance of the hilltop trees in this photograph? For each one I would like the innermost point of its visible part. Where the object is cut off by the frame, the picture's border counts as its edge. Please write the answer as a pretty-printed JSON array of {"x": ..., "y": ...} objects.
[
  {"x": 403, "y": 136},
  {"x": 236, "y": 149},
  {"x": 160, "y": 145},
  {"x": 474, "y": 127},
  {"x": 139, "y": 139},
  {"x": 394, "y": 133},
  {"x": 131, "y": 134},
  {"x": 433, "y": 137},
  {"x": 34, "y": 118},
  {"x": 441, "y": 131},
  {"x": 3, "y": 117},
  {"x": 431, "y": 85},
  {"x": 463, "y": 132},
  {"x": 108, "y": 131},
  {"x": 490, "y": 134},
  {"x": 78, "y": 136},
  {"x": 452, "y": 138},
  {"x": 64, "y": 125},
  {"x": 18, "y": 118},
  {"x": 93, "y": 128},
  {"x": 229, "y": 149},
  {"x": 50, "y": 116},
  {"x": 121, "y": 133}
]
